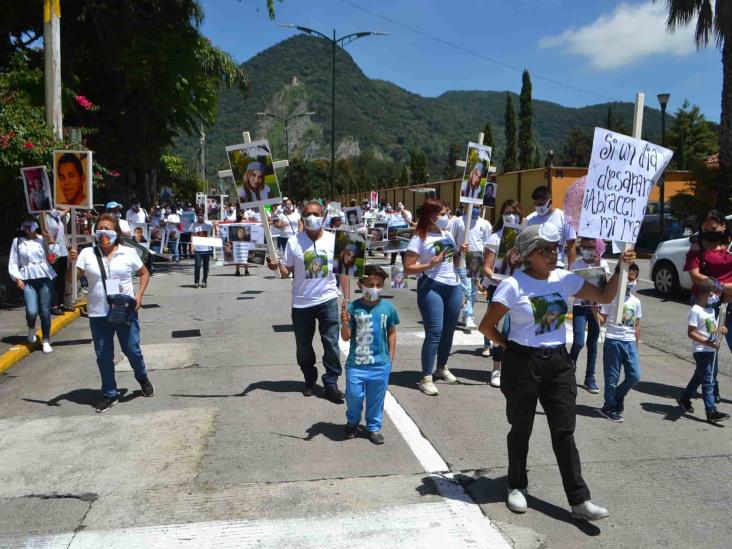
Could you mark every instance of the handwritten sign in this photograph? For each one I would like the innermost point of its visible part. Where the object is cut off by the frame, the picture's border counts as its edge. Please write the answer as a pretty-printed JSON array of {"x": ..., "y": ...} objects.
[{"x": 621, "y": 176}]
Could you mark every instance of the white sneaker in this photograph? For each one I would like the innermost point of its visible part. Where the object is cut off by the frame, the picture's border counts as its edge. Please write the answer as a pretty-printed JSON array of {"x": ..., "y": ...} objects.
[
  {"x": 486, "y": 352},
  {"x": 47, "y": 349},
  {"x": 427, "y": 386},
  {"x": 495, "y": 378},
  {"x": 516, "y": 500},
  {"x": 31, "y": 335},
  {"x": 589, "y": 511},
  {"x": 445, "y": 375},
  {"x": 470, "y": 324}
]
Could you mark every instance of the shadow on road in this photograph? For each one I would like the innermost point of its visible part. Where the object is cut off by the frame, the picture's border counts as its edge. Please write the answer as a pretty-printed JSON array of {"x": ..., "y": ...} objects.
[
  {"x": 408, "y": 379},
  {"x": 287, "y": 386},
  {"x": 85, "y": 397},
  {"x": 332, "y": 431},
  {"x": 672, "y": 413},
  {"x": 481, "y": 376},
  {"x": 658, "y": 389}
]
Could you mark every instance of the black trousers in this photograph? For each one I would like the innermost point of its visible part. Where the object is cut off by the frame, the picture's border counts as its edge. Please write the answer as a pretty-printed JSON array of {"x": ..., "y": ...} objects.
[
  {"x": 547, "y": 375},
  {"x": 59, "y": 283},
  {"x": 201, "y": 260}
]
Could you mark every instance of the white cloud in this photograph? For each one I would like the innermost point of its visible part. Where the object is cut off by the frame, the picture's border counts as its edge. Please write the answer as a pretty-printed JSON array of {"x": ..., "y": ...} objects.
[{"x": 628, "y": 35}]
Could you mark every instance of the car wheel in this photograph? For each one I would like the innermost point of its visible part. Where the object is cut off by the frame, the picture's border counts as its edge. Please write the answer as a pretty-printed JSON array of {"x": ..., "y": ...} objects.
[{"x": 665, "y": 278}]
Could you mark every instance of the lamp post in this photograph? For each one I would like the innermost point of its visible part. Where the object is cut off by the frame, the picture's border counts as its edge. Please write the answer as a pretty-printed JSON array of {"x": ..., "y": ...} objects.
[
  {"x": 343, "y": 41},
  {"x": 286, "y": 120},
  {"x": 663, "y": 100}
]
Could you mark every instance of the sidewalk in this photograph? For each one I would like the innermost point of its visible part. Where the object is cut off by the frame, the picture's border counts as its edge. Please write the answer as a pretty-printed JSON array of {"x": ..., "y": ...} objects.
[{"x": 229, "y": 453}]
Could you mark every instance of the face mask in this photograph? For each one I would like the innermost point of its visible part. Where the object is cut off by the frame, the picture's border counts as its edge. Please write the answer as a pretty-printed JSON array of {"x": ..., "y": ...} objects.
[
  {"x": 630, "y": 287},
  {"x": 511, "y": 219},
  {"x": 313, "y": 222},
  {"x": 476, "y": 213},
  {"x": 29, "y": 229},
  {"x": 135, "y": 208},
  {"x": 167, "y": 212},
  {"x": 371, "y": 294},
  {"x": 712, "y": 236},
  {"x": 588, "y": 255},
  {"x": 442, "y": 222},
  {"x": 103, "y": 233},
  {"x": 543, "y": 210},
  {"x": 117, "y": 215}
]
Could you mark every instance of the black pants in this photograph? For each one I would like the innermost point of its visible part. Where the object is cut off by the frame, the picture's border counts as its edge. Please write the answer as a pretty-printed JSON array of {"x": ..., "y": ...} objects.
[
  {"x": 201, "y": 260},
  {"x": 59, "y": 283},
  {"x": 546, "y": 375},
  {"x": 394, "y": 256}
]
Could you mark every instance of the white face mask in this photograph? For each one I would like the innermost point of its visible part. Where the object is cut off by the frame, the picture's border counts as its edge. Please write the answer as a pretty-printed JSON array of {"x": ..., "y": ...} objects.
[
  {"x": 102, "y": 233},
  {"x": 371, "y": 294},
  {"x": 313, "y": 222},
  {"x": 511, "y": 219},
  {"x": 588, "y": 255},
  {"x": 442, "y": 221},
  {"x": 631, "y": 286},
  {"x": 543, "y": 210}
]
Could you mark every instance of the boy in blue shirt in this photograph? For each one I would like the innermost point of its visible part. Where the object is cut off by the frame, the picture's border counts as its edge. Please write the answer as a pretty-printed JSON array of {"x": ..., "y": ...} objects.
[{"x": 370, "y": 324}]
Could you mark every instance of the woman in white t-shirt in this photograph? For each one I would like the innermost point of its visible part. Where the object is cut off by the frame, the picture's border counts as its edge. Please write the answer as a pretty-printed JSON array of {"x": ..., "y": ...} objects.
[
  {"x": 431, "y": 255},
  {"x": 288, "y": 222},
  {"x": 120, "y": 263},
  {"x": 536, "y": 365}
]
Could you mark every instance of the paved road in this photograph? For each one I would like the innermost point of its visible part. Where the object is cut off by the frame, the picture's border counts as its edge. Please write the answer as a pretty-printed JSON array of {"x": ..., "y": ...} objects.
[{"x": 228, "y": 453}]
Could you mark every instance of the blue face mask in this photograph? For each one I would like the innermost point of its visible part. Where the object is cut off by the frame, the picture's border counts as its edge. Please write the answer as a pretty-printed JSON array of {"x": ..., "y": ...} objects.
[{"x": 476, "y": 213}]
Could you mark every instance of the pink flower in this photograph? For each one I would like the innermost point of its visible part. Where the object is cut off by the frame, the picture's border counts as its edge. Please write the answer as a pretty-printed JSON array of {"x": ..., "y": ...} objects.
[
  {"x": 29, "y": 145},
  {"x": 114, "y": 173},
  {"x": 83, "y": 102}
]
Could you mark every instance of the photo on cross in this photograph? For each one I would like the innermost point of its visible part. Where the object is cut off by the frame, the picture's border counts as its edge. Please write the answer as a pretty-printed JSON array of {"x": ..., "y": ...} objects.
[{"x": 254, "y": 174}]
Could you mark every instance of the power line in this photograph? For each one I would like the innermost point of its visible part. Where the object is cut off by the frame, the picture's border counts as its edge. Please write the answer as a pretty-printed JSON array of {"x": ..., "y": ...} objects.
[{"x": 476, "y": 54}]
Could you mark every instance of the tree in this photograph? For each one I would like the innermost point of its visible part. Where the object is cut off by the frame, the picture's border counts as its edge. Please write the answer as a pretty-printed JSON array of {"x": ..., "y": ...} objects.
[
  {"x": 488, "y": 136},
  {"x": 526, "y": 124},
  {"x": 452, "y": 157},
  {"x": 717, "y": 23},
  {"x": 691, "y": 136},
  {"x": 418, "y": 166},
  {"x": 509, "y": 158},
  {"x": 404, "y": 176},
  {"x": 577, "y": 148}
]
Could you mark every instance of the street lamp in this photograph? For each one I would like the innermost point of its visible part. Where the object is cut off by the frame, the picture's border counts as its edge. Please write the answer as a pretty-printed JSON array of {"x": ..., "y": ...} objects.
[
  {"x": 286, "y": 120},
  {"x": 343, "y": 41},
  {"x": 663, "y": 100}
]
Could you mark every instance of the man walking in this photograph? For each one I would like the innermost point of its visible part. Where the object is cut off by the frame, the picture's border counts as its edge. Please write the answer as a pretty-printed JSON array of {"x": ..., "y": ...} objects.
[{"x": 314, "y": 298}]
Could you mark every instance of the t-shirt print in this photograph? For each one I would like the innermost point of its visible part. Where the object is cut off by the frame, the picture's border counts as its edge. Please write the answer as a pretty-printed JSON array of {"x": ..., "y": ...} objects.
[
  {"x": 316, "y": 264},
  {"x": 711, "y": 326},
  {"x": 446, "y": 245},
  {"x": 368, "y": 338},
  {"x": 629, "y": 316},
  {"x": 549, "y": 312}
]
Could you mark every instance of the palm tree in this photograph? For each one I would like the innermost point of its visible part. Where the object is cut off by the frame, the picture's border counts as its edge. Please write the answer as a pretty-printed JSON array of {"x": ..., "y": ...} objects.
[{"x": 713, "y": 21}]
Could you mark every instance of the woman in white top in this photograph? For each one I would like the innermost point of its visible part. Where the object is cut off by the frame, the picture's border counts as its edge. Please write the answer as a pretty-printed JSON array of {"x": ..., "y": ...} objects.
[
  {"x": 288, "y": 222},
  {"x": 536, "y": 366},
  {"x": 431, "y": 255},
  {"x": 120, "y": 264},
  {"x": 29, "y": 267}
]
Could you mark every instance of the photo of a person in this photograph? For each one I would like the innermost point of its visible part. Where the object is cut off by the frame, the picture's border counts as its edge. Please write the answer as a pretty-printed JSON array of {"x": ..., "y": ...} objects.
[
  {"x": 446, "y": 246},
  {"x": 316, "y": 266},
  {"x": 398, "y": 278},
  {"x": 256, "y": 257},
  {"x": 474, "y": 265},
  {"x": 214, "y": 211},
  {"x": 256, "y": 181},
  {"x": 345, "y": 264},
  {"x": 72, "y": 176},
  {"x": 240, "y": 233},
  {"x": 594, "y": 275},
  {"x": 489, "y": 198},
  {"x": 471, "y": 188},
  {"x": 629, "y": 320},
  {"x": 507, "y": 244},
  {"x": 353, "y": 216},
  {"x": 140, "y": 233},
  {"x": 477, "y": 164},
  {"x": 253, "y": 184},
  {"x": 349, "y": 254},
  {"x": 549, "y": 312},
  {"x": 37, "y": 189}
]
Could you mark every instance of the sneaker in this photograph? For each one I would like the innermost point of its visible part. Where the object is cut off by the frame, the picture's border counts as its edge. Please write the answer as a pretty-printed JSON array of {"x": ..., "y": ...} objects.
[
  {"x": 589, "y": 511},
  {"x": 246, "y": 272},
  {"x": 516, "y": 500},
  {"x": 31, "y": 335},
  {"x": 612, "y": 415},
  {"x": 196, "y": 285},
  {"x": 334, "y": 394},
  {"x": 486, "y": 352},
  {"x": 590, "y": 385},
  {"x": 308, "y": 390},
  {"x": 470, "y": 324},
  {"x": 376, "y": 438},
  {"x": 685, "y": 404},
  {"x": 495, "y": 378},
  {"x": 713, "y": 416},
  {"x": 444, "y": 374},
  {"x": 427, "y": 386},
  {"x": 47, "y": 349},
  {"x": 350, "y": 430},
  {"x": 147, "y": 388},
  {"x": 106, "y": 404},
  {"x": 204, "y": 284}
]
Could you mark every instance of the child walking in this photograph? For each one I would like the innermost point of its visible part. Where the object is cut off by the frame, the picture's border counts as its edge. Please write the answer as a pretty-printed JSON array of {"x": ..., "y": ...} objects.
[
  {"x": 370, "y": 324},
  {"x": 621, "y": 349},
  {"x": 702, "y": 330}
]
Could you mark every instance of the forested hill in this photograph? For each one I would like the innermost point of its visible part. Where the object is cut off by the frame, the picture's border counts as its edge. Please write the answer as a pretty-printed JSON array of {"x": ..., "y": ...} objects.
[{"x": 375, "y": 115}]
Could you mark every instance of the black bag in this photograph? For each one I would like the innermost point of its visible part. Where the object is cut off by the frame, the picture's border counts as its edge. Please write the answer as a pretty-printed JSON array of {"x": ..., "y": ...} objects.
[{"x": 121, "y": 306}]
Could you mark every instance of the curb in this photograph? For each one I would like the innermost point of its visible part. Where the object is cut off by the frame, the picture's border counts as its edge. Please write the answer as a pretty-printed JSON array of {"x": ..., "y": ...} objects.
[{"x": 18, "y": 352}]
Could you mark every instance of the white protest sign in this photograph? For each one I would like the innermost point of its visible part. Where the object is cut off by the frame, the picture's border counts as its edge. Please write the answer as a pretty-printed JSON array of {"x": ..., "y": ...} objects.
[
  {"x": 621, "y": 176},
  {"x": 207, "y": 241}
]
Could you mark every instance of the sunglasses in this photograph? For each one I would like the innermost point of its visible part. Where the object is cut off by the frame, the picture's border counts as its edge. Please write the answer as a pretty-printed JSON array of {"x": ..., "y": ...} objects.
[{"x": 548, "y": 251}]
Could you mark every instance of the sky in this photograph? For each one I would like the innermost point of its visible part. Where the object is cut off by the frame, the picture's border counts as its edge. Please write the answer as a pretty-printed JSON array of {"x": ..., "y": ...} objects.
[{"x": 578, "y": 52}]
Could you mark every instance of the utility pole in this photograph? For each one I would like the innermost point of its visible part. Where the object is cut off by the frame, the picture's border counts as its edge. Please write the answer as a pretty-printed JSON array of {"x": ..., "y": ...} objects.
[
  {"x": 203, "y": 156},
  {"x": 52, "y": 60}
]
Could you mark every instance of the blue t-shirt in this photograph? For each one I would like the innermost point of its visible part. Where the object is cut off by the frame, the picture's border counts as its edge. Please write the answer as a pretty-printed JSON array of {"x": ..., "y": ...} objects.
[{"x": 369, "y": 330}]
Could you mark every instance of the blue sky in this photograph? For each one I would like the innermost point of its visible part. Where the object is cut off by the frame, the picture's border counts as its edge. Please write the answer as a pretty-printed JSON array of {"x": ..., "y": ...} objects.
[{"x": 598, "y": 50}]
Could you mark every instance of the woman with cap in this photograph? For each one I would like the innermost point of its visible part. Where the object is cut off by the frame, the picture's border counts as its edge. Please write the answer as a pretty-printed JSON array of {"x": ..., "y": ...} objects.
[
  {"x": 254, "y": 187},
  {"x": 115, "y": 208},
  {"x": 346, "y": 263},
  {"x": 31, "y": 270},
  {"x": 536, "y": 365},
  {"x": 471, "y": 187}
]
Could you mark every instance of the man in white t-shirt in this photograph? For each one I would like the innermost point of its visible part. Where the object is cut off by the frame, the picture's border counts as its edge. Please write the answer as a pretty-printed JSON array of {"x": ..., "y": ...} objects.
[
  {"x": 545, "y": 212},
  {"x": 172, "y": 227},
  {"x": 309, "y": 255},
  {"x": 136, "y": 214},
  {"x": 478, "y": 237}
]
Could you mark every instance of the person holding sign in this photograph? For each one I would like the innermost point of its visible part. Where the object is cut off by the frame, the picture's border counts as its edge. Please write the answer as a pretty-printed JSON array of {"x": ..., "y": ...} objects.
[
  {"x": 201, "y": 254},
  {"x": 545, "y": 212},
  {"x": 431, "y": 255},
  {"x": 309, "y": 255},
  {"x": 109, "y": 268},
  {"x": 536, "y": 365}
]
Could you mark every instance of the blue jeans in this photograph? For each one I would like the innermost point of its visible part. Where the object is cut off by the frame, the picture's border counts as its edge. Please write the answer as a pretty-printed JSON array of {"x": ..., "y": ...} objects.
[
  {"x": 470, "y": 290},
  {"x": 173, "y": 248},
  {"x": 201, "y": 259},
  {"x": 704, "y": 376},
  {"x": 303, "y": 321},
  {"x": 38, "y": 295},
  {"x": 439, "y": 305},
  {"x": 582, "y": 315},
  {"x": 616, "y": 353},
  {"x": 368, "y": 383},
  {"x": 129, "y": 340}
]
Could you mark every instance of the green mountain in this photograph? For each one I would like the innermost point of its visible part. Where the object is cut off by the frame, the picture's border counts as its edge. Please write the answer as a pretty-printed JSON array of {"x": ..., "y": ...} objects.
[{"x": 374, "y": 115}]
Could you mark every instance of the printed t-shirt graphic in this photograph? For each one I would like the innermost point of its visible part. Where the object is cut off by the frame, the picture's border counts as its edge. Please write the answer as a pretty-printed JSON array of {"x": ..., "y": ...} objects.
[
  {"x": 549, "y": 312},
  {"x": 448, "y": 247},
  {"x": 316, "y": 264},
  {"x": 370, "y": 327},
  {"x": 628, "y": 316}
]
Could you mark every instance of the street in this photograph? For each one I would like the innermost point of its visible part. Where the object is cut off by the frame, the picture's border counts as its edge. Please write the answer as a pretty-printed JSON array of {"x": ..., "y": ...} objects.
[{"x": 228, "y": 453}]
